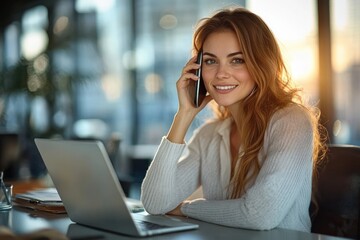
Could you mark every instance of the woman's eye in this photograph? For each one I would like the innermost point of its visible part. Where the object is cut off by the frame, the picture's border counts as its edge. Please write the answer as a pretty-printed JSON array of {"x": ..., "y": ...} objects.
[
  {"x": 238, "y": 61},
  {"x": 209, "y": 61}
]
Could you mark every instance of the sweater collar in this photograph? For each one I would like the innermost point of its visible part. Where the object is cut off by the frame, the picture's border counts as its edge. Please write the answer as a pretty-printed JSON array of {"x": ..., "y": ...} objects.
[{"x": 225, "y": 127}]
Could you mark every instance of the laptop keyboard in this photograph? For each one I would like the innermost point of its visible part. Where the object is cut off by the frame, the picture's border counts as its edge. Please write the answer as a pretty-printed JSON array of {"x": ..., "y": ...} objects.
[
  {"x": 134, "y": 206},
  {"x": 145, "y": 226},
  {"x": 136, "y": 209}
]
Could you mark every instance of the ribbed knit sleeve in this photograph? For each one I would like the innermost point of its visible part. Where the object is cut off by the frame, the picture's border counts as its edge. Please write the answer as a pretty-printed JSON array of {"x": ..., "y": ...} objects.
[
  {"x": 283, "y": 183},
  {"x": 172, "y": 176}
]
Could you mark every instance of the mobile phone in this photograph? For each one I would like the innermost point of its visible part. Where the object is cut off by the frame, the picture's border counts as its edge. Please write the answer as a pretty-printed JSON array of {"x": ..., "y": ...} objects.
[{"x": 200, "y": 90}]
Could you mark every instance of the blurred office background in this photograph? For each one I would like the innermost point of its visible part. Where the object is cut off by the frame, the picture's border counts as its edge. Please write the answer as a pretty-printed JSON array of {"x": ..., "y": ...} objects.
[{"x": 106, "y": 69}]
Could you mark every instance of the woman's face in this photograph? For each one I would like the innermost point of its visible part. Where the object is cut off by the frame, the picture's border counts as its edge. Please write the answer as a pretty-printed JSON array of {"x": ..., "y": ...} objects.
[{"x": 224, "y": 70}]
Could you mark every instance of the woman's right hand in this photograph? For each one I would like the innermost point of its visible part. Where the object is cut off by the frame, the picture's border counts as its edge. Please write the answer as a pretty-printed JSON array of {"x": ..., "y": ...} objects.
[
  {"x": 187, "y": 110},
  {"x": 184, "y": 85}
]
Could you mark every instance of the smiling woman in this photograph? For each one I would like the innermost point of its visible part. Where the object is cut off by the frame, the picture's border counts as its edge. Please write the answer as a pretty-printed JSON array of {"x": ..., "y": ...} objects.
[{"x": 254, "y": 161}]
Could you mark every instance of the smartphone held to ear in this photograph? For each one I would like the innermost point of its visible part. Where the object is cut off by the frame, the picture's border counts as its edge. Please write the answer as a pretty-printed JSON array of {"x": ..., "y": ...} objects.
[{"x": 199, "y": 89}]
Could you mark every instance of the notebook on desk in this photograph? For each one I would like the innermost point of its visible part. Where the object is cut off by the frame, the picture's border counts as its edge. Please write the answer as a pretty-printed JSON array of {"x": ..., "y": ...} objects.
[{"x": 91, "y": 192}]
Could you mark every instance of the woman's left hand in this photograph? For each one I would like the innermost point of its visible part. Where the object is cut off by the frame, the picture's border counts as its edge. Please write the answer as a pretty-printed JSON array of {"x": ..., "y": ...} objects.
[{"x": 177, "y": 211}]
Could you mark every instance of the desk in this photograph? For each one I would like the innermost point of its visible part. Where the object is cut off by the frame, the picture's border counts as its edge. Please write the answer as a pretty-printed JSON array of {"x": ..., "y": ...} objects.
[{"x": 23, "y": 221}]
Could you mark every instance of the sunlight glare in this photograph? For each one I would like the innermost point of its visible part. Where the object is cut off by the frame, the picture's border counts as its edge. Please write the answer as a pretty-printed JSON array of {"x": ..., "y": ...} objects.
[
  {"x": 302, "y": 64},
  {"x": 91, "y": 5},
  {"x": 294, "y": 26},
  {"x": 33, "y": 43}
]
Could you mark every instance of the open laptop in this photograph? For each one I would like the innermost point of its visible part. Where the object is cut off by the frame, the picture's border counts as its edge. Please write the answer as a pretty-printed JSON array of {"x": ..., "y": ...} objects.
[{"x": 91, "y": 192}]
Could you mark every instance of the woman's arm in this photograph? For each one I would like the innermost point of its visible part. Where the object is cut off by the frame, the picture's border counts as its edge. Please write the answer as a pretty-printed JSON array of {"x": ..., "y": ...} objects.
[
  {"x": 171, "y": 177},
  {"x": 169, "y": 181}
]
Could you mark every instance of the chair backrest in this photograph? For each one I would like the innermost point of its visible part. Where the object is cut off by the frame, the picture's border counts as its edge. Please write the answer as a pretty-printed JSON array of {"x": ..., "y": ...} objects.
[{"x": 338, "y": 193}]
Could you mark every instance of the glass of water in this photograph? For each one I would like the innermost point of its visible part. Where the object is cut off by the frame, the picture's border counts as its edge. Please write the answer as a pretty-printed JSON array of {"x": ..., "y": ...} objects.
[{"x": 5, "y": 194}]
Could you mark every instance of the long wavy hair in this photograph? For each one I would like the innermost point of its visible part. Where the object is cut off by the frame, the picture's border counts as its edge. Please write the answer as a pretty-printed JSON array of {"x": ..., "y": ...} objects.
[{"x": 274, "y": 90}]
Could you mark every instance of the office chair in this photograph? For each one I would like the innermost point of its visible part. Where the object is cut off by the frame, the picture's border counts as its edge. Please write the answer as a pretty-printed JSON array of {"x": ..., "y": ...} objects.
[{"x": 338, "y": 193}]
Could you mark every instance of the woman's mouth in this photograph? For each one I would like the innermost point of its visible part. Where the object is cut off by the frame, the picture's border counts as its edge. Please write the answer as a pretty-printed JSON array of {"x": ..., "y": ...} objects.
[{"x": 224, "y": 88}]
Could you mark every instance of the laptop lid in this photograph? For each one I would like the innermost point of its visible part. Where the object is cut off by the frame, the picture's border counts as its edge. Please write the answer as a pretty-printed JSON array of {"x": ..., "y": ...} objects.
[{"x": 90, "y": 190}]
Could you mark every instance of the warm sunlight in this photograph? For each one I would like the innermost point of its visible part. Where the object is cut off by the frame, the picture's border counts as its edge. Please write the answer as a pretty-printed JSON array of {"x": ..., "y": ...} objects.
[
  {"x": 302, "y": 64},
  {"x": 294, "y": 26},
  {"x": 342, "y": 30}
]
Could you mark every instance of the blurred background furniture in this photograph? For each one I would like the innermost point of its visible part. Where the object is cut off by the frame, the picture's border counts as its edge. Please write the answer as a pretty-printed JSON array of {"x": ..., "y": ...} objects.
[
  {"x": 9, "y": 154},
  {"x": 338, "y": 193}
]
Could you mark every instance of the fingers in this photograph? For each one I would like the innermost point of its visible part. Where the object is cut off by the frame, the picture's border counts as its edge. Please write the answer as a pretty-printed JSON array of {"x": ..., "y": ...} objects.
[
  {"x": 185, "y": 86},
  {"x": 176, "y": 211},
  {"x": 190, "y": 66},
  {"x": 188, "y": 73},
  {"x": 186, "y": 79}
]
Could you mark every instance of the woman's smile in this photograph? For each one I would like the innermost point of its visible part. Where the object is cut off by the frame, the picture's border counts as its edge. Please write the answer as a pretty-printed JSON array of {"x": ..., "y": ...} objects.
[{"x": 224, "y": 88}]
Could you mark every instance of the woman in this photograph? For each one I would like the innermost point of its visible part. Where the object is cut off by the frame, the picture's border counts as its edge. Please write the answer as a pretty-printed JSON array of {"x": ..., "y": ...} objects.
[{"x": 255, "y": 161}]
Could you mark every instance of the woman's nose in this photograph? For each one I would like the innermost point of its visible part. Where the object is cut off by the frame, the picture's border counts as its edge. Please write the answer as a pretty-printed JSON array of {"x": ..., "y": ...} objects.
[{"x": 222, "y": 72}]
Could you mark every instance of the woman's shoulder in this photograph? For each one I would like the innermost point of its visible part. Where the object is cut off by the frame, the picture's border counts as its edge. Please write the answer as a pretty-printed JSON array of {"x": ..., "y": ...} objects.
[
  {"x": 291, "y": 123},
  {"x": 294, "y": 114},
  {"x": 291, "y": 111}
]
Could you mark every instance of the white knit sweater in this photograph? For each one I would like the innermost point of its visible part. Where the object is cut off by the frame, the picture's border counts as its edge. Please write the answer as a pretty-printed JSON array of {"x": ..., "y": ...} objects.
[{"x": 279, "y": 196}]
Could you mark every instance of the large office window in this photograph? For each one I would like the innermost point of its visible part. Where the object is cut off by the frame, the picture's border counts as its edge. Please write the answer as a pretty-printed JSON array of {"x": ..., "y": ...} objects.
[
  {"x": 163, "y": 45},
  {"x": 294, "y": 25},
  {"x": 103, "y": 38},
  {"x": 88, "y": 69},
  {"x": 345, "y": 27}
]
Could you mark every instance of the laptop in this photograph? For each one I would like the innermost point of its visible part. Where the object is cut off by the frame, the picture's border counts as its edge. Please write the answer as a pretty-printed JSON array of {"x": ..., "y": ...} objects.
[{"x": 91, "y": 192}]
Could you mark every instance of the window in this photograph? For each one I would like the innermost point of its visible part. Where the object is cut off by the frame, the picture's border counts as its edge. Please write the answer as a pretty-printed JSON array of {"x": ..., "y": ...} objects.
[
  {"x": 294, "y": 25},
  {"x": 164, "y": 32},
  {"x": 345, "y": 27}
]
